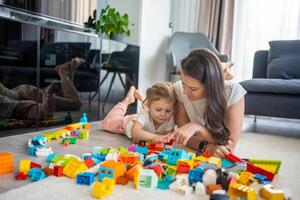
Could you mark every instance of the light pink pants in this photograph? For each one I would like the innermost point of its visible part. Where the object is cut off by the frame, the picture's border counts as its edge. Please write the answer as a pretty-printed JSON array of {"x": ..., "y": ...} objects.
[{"x": 116, "y": 121}]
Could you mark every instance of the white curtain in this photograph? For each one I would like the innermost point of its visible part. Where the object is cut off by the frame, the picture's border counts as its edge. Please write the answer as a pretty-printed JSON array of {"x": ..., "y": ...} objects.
[
  {"x": 256, "y": 22},
  {"x": 76, "y": 11},
  {"x": 184, "y": 15}
]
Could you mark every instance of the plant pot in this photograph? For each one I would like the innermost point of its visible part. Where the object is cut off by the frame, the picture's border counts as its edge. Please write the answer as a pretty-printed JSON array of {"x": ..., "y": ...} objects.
[{"x": 118, "y": 37}]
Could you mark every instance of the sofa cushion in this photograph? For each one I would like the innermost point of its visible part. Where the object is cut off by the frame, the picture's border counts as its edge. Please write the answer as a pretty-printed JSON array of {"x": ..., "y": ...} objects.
[
  {"x": 276, "y": 86},
  {"x": 284, "y": 59}
]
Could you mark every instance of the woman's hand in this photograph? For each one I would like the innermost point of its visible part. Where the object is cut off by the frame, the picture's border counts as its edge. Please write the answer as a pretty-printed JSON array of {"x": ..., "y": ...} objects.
[
  {"x": 220, "y": 151},
  {"x": 184, "y": 133}
]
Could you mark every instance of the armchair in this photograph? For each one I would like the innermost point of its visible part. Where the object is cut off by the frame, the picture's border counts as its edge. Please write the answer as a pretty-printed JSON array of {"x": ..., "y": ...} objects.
[
  {"x": 274, "y": 90},
  {"x": 181, "y": 43}
]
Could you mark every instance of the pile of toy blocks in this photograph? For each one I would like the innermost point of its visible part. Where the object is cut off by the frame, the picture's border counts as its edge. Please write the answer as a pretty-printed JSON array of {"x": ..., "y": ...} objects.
[{"x": 157, "y": 165}]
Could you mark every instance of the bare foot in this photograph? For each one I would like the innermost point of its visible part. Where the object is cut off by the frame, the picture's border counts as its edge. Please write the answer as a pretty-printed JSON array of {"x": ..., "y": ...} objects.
[
  {"x": 138, "y": 95},
  {"x": 130, "y": 98},
  {"x": 75, "y": 62}
]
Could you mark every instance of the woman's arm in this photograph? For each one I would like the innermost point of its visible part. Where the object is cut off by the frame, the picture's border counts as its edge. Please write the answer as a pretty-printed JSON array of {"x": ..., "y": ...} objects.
[
  {"x": 180, "y": 115},
  {"x": 234, "y": 120},
  {"x": 138, "y": 134}
]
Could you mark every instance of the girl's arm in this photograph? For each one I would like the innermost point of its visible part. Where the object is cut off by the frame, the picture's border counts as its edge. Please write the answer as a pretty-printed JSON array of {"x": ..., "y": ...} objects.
[
  {"x": 138, "y": 134},
  {"x": 181, "y": 117}
]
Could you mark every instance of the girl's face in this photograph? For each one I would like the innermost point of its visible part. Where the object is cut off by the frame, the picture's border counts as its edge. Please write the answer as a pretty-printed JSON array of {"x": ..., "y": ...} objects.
[
  {"x": 192, "y": 88},
  {"x": 161, "y": 110}
]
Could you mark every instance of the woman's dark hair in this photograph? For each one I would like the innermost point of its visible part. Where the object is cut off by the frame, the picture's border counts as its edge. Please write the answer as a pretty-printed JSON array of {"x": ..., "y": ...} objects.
[{"x": 204, "y": 66}]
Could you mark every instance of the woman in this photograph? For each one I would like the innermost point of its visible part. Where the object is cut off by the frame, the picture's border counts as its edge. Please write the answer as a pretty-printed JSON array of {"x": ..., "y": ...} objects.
[{"x": 209, "y": 111}]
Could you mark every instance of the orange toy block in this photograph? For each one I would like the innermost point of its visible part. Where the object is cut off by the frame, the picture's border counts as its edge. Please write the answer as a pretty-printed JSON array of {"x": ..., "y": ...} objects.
[
  {"x": 122, "y": 180},
  {"x": 213, "y": 187},
  {"x": 129, "y": 159},
  {"x": 118, "y": 167},
  {"x": 245, "y": 178},
  {"x": 6, "y": 163},
  {"x": 134, "y": 171}
]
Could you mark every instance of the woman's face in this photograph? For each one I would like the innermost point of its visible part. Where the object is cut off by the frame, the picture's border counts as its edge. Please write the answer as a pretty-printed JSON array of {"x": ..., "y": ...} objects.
[{"x": 192, "y": 88}]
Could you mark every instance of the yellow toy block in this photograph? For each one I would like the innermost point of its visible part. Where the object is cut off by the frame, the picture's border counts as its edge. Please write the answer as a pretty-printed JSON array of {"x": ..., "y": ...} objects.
[
  {"x": 104, "y": 188},
  {"x": 201, "y": 159},
  {"x": 236, "y": 191},
  {"x": 272, "y": 166},
  {"x": 216, "y": 161},
  {"x": 269, "y": 193},
  {"x": 6, "y": 163},
  {"x": 245, "y": 178},
  {"x": 74, "y": 167},
  {"x": 24, "y": 166}
]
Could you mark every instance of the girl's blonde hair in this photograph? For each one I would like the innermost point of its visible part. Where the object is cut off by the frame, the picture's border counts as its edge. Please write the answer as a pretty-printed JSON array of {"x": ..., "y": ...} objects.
[{"x": 160, "y": 90}]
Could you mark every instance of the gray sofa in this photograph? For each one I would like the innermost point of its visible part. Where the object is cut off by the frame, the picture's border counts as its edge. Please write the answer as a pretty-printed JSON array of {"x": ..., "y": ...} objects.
[{"x": 274, "y": 90}]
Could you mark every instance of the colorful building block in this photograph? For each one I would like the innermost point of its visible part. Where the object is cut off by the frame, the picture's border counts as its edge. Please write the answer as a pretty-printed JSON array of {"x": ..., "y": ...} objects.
[
  {"x": 104, "y": 188},
  {"x": 6, "y": 163},
  {"x": 111, "y": 169},
  {"x": 86, "y": 178}
]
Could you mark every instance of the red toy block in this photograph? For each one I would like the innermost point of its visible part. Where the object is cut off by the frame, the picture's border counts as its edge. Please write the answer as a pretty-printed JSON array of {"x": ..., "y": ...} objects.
[
  {"x": 233, "y": 158},
  {"x": 157, "y": 169},
  {"x": 35, "y": 165},
  {"x": 206, "y": 154},
  {"x": 21, "y": 176},
  {"x": 256, "y": 170},
  {"x": 89, "y": 162},
  {"x": 58, "y": 171}
]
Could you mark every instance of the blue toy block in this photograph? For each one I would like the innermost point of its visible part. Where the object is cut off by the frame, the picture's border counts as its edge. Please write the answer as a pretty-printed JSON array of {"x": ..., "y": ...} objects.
[
  {"x": 36, "y": 174},
  {"x": 226, "y": 163},
  {"x": 166, "y": 182},
  {"x": 142, "y": 150},
  {"x": 39, "y": 140},
  {"x": 50, "y": 157},
  {"x": 195, "y": 175},
  {"x": 105, "y": 172},
  {"x": 86, "y": 178},
  {"x": 177, "y": 154},
  {"x": 260, "y": 177},
  {"x": 83, "y": 119}
]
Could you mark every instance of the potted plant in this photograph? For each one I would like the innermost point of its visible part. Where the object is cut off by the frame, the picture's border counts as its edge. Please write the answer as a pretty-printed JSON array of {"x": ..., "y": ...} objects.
[{"x": 110, "y": 23}]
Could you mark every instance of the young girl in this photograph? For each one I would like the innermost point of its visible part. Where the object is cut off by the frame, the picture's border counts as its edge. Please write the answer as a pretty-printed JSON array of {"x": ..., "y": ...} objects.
[{"x": 154, "y": 122}]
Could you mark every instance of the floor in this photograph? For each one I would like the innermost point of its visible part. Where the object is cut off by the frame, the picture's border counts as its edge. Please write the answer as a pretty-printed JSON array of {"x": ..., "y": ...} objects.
[
  {"x": 251, "y": 145},
  {"x": 273, "y": 126}
]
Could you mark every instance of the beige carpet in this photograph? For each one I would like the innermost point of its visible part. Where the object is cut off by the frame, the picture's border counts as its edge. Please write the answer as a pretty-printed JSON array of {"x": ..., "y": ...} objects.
[{"x": 250, "y": 146}]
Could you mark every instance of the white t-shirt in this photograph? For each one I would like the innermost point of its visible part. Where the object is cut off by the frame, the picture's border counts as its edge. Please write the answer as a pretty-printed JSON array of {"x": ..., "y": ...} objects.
[
  {"x": 148, "y": 125},
  {"x": 195, "y": 109}
]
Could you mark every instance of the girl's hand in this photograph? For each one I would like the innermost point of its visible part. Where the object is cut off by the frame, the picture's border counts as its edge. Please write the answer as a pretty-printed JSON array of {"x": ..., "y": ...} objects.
[
  {"x": 163, "y": 138},
  {"x": 184, "y": 133}
]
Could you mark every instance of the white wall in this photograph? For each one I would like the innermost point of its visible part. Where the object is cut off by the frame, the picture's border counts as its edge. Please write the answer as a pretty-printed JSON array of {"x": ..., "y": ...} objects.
[
  {"x": 154, "y": 35},
  {"x": 132, "y": 8}
]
